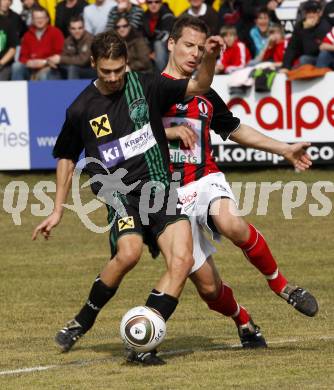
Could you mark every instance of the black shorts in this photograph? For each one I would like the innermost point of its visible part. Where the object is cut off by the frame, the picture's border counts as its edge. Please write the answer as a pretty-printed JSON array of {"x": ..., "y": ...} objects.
[{"x": 136, "y": 219}]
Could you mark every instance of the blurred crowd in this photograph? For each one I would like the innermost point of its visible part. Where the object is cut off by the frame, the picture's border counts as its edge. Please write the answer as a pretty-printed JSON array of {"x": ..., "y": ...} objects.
[{"x": 33, "y": 49}]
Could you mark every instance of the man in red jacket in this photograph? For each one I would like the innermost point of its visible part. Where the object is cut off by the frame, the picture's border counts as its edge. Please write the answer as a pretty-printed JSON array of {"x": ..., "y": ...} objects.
[{"x": 40, "y": 42}]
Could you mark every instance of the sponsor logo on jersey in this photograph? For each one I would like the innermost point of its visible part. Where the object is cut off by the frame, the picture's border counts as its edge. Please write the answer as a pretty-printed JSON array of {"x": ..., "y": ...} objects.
[
  {"x": 111, "y": 153},
  {"x": 134, "y": 144},
  {"x": 101, "y": 126},
  {"x": 126, "y": 223},
  {"x": 187, "y": 198},
  {"x": 138, "y": 111},
  {"x": 182, "y": 107},
  {"x": 203, "y": 108},
  {"x": 179, "y": 153}
]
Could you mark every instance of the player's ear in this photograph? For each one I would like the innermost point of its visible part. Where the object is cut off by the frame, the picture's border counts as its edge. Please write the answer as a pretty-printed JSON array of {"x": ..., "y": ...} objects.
[
  {"x": 170, "y": 44},
  {"x": 92, "y": 62}
]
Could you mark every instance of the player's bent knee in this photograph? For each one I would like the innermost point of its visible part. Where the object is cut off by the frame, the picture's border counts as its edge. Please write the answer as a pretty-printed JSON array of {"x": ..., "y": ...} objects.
[
  {"x": 208, "y": 292},
  {"x": 181, "y": 264},
  {"x": 236, "y": 229},
  {"x": 128, "y": 255}
]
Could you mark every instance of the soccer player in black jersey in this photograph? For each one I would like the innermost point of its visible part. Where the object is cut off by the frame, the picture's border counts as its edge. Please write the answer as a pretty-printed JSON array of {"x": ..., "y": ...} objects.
[
  {"x": 206, "y": 196},
  {"x": 117, "y": 121}
]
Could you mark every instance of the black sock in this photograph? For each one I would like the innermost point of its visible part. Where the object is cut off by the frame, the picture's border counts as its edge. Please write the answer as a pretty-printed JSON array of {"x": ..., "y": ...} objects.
[
  {"x": 165, "y": 304},
  {"x": 99, "y": 295}
]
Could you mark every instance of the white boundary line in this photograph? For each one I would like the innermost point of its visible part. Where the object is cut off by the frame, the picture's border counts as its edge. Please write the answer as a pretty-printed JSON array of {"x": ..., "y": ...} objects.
[{"x": 79, "y": 363}]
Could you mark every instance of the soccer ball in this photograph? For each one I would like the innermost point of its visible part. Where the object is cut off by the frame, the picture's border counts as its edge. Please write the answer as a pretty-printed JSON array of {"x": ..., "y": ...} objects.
[{"x": 142, "y": 329}]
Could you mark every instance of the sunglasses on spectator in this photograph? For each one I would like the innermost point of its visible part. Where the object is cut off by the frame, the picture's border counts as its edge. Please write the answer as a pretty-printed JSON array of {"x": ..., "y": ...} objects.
[
  {"x": 153, "y": 2},
  {"x": 121, "y": 26}
]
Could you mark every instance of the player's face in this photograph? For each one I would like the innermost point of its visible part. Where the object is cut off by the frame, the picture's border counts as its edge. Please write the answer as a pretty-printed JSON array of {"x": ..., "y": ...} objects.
[
  {"x": 110, "y": 73},
  {"x": 188, "y": 51}
]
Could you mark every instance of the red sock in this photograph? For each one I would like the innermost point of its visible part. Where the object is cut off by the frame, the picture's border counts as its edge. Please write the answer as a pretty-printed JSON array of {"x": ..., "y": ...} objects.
[
  {"x": 226, "y": 304},
  {"x": 258, "y": 253}
]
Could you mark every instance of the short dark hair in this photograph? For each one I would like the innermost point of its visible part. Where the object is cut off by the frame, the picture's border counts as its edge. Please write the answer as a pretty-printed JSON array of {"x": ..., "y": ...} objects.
[
  {"x": 108, "y": 45},
  {"x": 76, "y": 18},
  {"x": 311, "y": 6},
  {"x": 261, "y": 10},
  {"x": 38, "y": 8},
  {"x": 188, "y": 21}
]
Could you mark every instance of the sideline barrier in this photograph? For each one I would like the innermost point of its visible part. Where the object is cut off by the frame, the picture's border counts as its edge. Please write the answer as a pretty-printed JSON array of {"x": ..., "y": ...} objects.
[{"x": 31, "y": 115}]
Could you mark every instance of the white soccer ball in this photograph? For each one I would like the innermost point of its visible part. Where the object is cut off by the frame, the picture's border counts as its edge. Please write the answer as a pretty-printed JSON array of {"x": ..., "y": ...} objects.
[{"x": 142, "y": 329}]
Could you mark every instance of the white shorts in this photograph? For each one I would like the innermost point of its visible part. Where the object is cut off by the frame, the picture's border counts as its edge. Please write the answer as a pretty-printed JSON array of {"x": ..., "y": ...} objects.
[{"x": 195, "y": 199}]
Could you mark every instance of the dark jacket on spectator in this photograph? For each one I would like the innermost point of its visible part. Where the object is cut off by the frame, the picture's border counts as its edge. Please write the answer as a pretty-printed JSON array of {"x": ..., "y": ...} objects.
[
  {"x": 163, "y": 25},
  {"x": 8, "y": 38},
  {"x": 77, "y": 52},
  {"x": 16, "y": 22},
  {"x": 329, "y": 13},
  {"x": 134, "y": 16},
  {"x": 64, "y": 14},
  {"x": 305, "y": 41},
  {"x": 50, "y": 43},
  {"x": 210, "y": 18}
]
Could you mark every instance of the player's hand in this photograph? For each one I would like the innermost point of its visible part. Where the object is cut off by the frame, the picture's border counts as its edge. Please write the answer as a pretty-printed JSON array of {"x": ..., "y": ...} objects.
[
  {"x": 183, "y": 132},
  {"x": 296, "y": 154},
  {"x": 45, "y": 227},
  {"x": 214, "y": 45}
]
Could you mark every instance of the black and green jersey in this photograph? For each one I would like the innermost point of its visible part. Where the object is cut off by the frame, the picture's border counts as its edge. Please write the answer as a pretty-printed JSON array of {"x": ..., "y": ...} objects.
[{"x": 123, "y": 129}]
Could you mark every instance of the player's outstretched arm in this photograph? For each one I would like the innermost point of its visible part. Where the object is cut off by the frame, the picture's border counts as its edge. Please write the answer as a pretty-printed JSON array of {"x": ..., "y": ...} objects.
[
  {"x": 65, "y": 169},
  {"x": 296, "y": 153},
  {"x": 201, "y": 83}
]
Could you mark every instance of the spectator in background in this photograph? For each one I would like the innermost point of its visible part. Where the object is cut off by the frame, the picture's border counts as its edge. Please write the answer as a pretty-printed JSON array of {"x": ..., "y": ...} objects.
[
  {"x": 236, "y": 55},
  {"x": 8, "y": 43},
  {"x": 301, "y": 11},
  {"x": 329, "y": 13},
  {"x": 96, "y": 15},
  {"x": 306, "y": 37},
  {"x": 138, "y": 50},
  {"x": 125, "y": 8},
  {"x": 205, "y": 12},
  {"x": 158, "y": 21},
  {"x": 39, "y": 43},
  {"x": 259, "y": 33},
  {"x": 65, "y": 10},
  {"x": 271, "y": 6},
  {"x": 326, "y": 56},
  {"x": 74, "y": 60},
  {"x": 26, "y": 14},
  {"x": 230, "y": 13},
  {"x": 241, "y": 14},
  {"x": 275, "y": 47},
  {"x": 13, "y": 18}
]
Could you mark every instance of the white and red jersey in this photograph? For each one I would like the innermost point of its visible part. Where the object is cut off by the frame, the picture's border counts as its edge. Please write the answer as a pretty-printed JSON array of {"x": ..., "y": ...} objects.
[
  {"x": 235, "y": 57},
  {"x": 201, "y": 113},
  {"x": 276, "y": 52},
  {"x": 329, "y": 38}
]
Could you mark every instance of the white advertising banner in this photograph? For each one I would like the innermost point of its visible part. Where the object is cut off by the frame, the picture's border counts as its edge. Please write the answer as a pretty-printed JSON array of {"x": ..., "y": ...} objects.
[
  {"x": 14, "y": 126},
  {"x": 291, "y": 112}
]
